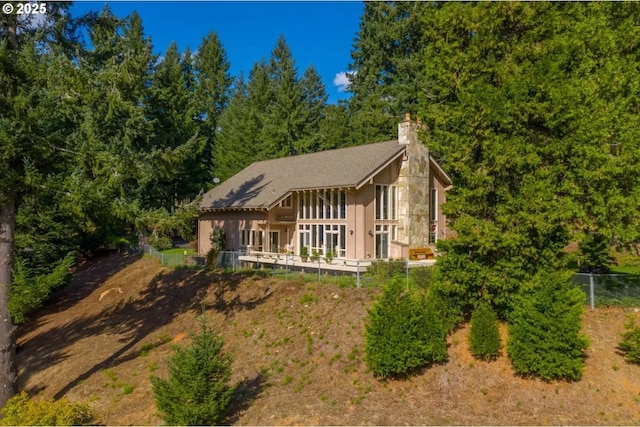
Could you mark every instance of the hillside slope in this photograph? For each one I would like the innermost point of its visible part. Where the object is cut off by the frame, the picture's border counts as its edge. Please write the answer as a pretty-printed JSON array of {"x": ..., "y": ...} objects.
[{"x": 298, "y": 355}]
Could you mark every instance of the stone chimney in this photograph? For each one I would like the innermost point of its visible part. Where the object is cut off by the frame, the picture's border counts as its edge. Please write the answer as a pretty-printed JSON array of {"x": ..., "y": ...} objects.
[
  {"x": 408, "y": 131},
  {"x": 413, "y": 187}
]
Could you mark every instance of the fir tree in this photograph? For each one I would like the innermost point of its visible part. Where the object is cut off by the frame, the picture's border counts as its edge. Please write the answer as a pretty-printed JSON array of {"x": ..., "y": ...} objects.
[
  {"x": 544, "y": 330},
  {"x": 197, "y": 391}
]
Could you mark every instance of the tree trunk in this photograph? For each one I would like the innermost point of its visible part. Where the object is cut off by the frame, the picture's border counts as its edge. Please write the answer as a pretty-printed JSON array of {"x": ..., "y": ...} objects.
[{"x": 8, "y": 367}]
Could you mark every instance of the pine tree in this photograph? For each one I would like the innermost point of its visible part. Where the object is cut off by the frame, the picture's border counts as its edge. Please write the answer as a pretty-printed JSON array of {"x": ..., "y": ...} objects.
[{"x": 197, "y": 391}]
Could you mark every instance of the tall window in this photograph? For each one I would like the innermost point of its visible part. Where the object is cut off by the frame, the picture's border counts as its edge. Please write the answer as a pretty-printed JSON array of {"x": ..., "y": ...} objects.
[
  {"x": 385, "y": 233},
  {"x": 251, "y": 239},
  {"x": 433, "y": 204},
  {"x": 386, "y": 201},
  {"x": 323, "y": 204}
]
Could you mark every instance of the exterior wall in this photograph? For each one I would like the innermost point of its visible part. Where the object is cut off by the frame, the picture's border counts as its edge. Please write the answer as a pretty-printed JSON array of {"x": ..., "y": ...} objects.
[
  {"x": 231, "y": 222},
  {"x": 413, "y": 189},
  {"x": 437, "y": 183},
  {"x": 414, "y": 179}
]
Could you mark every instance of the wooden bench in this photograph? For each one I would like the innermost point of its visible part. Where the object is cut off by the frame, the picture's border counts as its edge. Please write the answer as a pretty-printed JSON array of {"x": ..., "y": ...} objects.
[{"x": 420, "y": 253}]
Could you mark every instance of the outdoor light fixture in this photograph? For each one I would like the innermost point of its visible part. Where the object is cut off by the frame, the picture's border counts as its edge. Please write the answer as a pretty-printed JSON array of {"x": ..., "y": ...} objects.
[{"x": 370, "y": 233}]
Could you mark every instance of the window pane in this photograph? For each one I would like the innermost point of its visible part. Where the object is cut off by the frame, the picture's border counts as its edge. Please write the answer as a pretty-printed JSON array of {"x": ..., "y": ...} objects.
[
  {"x": 343, "y": 204},
  {"x": 378, "y": 202},
  {"x": 393, "y": 202}
]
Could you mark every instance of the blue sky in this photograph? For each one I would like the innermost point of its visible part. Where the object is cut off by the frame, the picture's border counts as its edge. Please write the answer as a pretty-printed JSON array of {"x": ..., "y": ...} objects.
[{"x": 319, "y": 33}]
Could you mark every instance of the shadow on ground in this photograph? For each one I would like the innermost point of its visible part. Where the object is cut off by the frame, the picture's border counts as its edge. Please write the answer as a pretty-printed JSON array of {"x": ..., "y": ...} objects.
[{"x": 168, "y": 294}]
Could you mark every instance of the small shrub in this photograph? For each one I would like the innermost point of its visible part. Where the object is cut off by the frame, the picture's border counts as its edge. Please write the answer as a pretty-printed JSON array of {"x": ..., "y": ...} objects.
[
  {"x": 20, "y": 410},
  {"x": 197, "y": 391},
  {"x": 403, "y": 334},
  {"x": 384, "y": 271},
  {"x": 630, "y": 344},
  {"x": 544, "y": 332},
  {"x": 160, "y": 243},
  {"x": 484, "y": 336},
  {"x": 218, "y": 240},
  {"x": 421, "y": 277},
  {"x": 30, "y": 290}
]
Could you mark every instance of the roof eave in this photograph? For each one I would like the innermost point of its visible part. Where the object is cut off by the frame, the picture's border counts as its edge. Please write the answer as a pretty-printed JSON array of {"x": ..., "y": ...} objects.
[{"x": 380, "y": 168}]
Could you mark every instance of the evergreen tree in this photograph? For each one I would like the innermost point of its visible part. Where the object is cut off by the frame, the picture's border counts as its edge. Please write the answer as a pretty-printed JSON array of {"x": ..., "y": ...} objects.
[
  {"x": 176, "y": 129},
  {"x": 334, "y": 128},
  {"x": 314, "y": 103},
  {"x": 197, "y": 391},
  {"x": 239, "y": 142},
  {"x": 535, "y": 133},
  {"x": 31, "y": 126},
  {"x": 385, "y": 76},
  {"x": 484, "y": 335},
  {"x": 213, "y": 84},
  {"x": 544, "y": 330},
  {"x": 284, "y": 118},
  {"x": 403, "y": 333}
]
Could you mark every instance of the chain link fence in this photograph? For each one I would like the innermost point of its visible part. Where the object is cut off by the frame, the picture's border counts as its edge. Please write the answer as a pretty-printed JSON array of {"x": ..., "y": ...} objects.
[
  {"x": 604, "y": 290},
  {"x": 174, "y": 259}
]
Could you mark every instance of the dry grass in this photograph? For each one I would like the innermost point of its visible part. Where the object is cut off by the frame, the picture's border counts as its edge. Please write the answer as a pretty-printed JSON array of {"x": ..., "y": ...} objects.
[{"x": 298, "y": 356}]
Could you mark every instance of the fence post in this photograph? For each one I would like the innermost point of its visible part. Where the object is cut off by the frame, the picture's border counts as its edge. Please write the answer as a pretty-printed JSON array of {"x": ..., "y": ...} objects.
[
  {"x": 318, "y": 270},
  {"x": 358, "y": 273},
  {"x": 592, "y": 297},
  {"x": 406, "y": 267}
]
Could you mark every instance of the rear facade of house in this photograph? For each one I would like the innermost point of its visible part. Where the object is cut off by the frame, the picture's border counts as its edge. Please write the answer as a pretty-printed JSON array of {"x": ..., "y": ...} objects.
[{"x": 366, "y": 202}]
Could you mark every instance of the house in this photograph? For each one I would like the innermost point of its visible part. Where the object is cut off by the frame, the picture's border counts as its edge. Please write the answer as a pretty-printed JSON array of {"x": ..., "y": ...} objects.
[{"x": 371, "y": 201}]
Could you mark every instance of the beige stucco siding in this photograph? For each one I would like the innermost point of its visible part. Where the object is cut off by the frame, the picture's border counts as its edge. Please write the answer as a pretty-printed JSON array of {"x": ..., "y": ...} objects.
[{"x": 231, "y": 222}]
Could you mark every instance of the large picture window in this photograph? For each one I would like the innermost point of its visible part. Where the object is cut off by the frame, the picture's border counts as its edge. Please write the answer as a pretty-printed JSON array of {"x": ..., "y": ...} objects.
[
  {"x": 322, "y": 204},
  {"x": 321, "y": 238},
  {"x": 386, "y": 202}
]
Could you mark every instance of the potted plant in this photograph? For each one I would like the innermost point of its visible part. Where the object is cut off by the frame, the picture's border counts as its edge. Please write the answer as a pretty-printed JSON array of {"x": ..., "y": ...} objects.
[
  {"x": 329, "y": 256},
  {"x": 304, "y": 253},
  {"x": 315, "y": 256}
]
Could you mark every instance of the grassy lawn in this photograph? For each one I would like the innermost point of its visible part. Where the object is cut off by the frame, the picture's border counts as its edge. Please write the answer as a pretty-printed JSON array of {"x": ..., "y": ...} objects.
[{"x": 180, "y": 251}]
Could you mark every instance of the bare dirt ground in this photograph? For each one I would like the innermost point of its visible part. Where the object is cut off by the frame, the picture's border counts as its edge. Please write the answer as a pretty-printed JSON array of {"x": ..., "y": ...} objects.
[{"x": 298, "y": 352}]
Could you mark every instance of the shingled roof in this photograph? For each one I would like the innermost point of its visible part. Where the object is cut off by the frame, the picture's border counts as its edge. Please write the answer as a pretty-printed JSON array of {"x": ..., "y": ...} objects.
[{"x": 263, "y": 184}]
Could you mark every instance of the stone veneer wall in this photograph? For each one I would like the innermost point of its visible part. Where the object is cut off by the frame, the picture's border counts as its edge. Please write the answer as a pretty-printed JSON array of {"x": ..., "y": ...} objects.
[{"x": 413, "y": 188}]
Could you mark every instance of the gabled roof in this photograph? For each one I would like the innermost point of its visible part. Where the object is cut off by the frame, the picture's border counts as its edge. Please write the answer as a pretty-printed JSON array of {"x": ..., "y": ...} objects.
[{"x": 263, "y": 184}]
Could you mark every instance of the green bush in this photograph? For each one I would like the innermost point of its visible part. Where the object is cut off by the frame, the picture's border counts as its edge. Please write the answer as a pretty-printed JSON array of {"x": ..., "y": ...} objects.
[
  {"x": 484, "y": 337},
  {"x": 384, "y": 271},
  {"x": 197, "y": 391},
  {"x": 29, "y": 291},
  {"x": 421, "y": 277},
  {"x": 630, "y": 344},
  {"x": 160, "y": 243},
  {"x": 544, "y": 333},
  {"x": 218, "y": 240},
  {"x": 403, "y": 333},
  {"x": 20, "y": 410}
]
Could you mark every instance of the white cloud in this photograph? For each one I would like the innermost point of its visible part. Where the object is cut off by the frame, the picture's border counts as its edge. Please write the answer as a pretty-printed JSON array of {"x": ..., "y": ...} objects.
[{"x": 342, "y": 80}]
